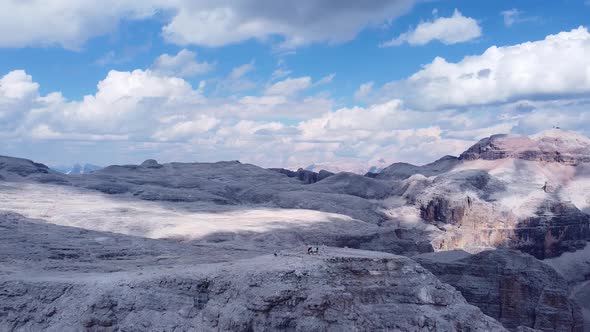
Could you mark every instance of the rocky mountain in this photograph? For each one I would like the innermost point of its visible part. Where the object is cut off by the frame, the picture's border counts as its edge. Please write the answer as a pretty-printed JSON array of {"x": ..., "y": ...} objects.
[{"x": 506, "y": 223}]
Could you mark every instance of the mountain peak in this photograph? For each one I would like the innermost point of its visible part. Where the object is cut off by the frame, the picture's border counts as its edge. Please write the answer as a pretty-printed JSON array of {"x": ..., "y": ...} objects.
[{"x": 554, "y": 145}]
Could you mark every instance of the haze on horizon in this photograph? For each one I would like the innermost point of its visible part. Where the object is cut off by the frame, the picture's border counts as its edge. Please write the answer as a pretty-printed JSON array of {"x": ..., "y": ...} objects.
[{"x": 354, "y": 84}]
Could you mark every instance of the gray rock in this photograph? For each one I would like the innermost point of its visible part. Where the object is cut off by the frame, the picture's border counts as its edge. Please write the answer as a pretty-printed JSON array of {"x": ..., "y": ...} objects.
[
  {"x": 335, "y": 290},
  {"x": 514, "y": 288}
]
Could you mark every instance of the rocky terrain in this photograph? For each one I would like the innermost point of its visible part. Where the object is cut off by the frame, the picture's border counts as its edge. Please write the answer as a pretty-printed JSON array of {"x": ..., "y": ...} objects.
[
  {"x": 493, "y": 239},
  {"x": 512, "y": 287},
  {"x": 104, "y": 281}
]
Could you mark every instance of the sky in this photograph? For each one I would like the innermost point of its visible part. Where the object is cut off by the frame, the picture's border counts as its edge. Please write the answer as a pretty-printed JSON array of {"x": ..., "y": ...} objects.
[{"x": 339, "y": 84}]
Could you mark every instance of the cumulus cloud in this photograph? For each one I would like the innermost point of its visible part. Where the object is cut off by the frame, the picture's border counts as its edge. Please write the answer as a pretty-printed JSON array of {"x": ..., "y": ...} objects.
[
  {"x": 19, "y": 96},
  {"x": 448, "y": 30},
  {"x": 556, "y": 67},
  {"x": 70, "y": 23},
  {"x": 183, "y": 64},
  {"x": 144, "y": 110},
  {"x": 138, "y": 114}
]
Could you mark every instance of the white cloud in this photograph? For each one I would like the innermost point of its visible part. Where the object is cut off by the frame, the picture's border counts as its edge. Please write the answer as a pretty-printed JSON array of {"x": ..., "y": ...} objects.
[
  {"x": 140, "y": 114},
  {"x": 556, "y": 67},
  {"x": 186, "y": 129},
  {"x": 364, "y": 90},
  {"x": 183, "y": 64},
  {"x": 236, "y": 81},
  {"x": 325, "y": 80},
  {"x": 289, "y": 86},
  {"x": 280, "y": 73},
  {"x": 511, "y": 16},
  {"x": 448, "y": 30},
  {"x": 17, "y": 84},
  {"x": 69, "y": 23},
  {"x": 241, "y": 71}
]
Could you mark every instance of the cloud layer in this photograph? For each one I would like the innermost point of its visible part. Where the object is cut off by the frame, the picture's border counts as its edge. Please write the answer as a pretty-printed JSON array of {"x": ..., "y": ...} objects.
[
  {"x": 197, "y": 22},
  {"x": 293, "y": 121}
]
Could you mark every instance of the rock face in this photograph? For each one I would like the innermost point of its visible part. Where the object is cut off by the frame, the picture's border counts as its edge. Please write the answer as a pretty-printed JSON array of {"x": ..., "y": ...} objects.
[
  {"x": 557, "y": 228},
  {"x": 135, "y": 284},
  {"x": 554, "y": 229},
  {"x": 514, "y": 288}
]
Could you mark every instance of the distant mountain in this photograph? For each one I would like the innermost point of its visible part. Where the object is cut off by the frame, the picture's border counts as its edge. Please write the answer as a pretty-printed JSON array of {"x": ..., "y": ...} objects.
[
  {"x": 348, "y": 166},
  {"x": 77, "y": 169}
]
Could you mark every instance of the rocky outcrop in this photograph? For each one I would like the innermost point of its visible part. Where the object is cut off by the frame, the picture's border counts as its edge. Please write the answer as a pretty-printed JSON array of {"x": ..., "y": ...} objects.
[
  {"x": 333, "y": 290},
  {"x": 514, "y": 288},
  {"x": 151, "y": 163}
]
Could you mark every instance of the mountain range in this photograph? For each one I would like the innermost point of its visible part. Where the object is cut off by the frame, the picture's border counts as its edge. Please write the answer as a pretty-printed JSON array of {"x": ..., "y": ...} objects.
[{"x": 494, "y": 239}]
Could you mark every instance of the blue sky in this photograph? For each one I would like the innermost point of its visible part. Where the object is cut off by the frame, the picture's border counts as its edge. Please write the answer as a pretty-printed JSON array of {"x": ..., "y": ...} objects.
[{"x": 280, "y": 84}]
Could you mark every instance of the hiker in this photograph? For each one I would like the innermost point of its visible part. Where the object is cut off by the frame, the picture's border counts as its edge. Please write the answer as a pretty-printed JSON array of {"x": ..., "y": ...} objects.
[
  {"x": 313, "y": 250},
  {"x": 545, "y": 187}
]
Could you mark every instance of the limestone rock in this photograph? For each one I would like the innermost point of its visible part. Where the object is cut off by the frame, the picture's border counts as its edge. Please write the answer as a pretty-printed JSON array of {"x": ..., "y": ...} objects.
[{"x": 514, "y": 288}]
